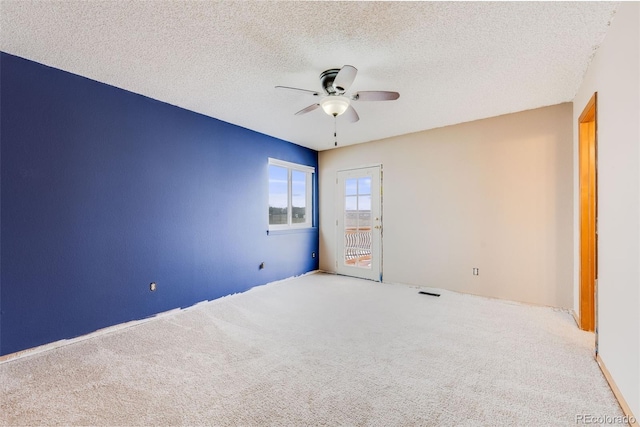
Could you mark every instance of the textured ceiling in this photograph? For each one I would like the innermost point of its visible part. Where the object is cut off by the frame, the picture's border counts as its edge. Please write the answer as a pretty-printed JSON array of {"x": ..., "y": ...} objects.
[{"x": 452, "y": 62}]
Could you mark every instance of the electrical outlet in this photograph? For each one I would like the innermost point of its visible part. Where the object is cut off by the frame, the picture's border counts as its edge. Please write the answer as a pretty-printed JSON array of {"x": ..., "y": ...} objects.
[
  {"x": 313, "y": 254},
  {"x": 153, "y": 286},
  {"x": 476, "y": 271}
]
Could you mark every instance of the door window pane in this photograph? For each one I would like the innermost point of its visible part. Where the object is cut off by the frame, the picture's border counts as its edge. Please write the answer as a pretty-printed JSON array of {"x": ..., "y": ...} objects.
[
  {"x": 351, "y": 203},
  {"x": 351, "y": 187},
  {"x": 364, "y": 220},
  {"x": 364, "y": 185},
  {"x": 357, "y": 222},
  {"x": 364, "y": 203}
]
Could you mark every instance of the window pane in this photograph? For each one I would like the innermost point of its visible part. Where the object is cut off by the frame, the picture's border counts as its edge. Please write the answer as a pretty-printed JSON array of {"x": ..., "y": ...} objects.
[
  {"x": 351, "y": 187},
  {"x": 290, "y": 194},
  {"x": 298, "y": 197},
  {"x": 351, "y": 203},
  {"x": 350, "y": 219},
  {"x": 364, "y": 220},
  {"x": 364, "y": 185},
  {"x": 278, "y": 195},
  {"x": 364, "y": 203}
]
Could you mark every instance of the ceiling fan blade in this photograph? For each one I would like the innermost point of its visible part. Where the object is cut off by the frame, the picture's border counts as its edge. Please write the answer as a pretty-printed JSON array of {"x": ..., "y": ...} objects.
[
  {"x": 306, "y": 110},
  {"x": 312, "y": 92},
  {"x": 345, "y": 77},
  {"x": 351, "y": 115},
  {"x": 376, "y": 95}
]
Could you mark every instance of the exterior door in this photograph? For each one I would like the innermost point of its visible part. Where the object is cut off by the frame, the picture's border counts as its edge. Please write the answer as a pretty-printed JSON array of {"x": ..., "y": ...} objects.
[{"x": 359, "y": 223}]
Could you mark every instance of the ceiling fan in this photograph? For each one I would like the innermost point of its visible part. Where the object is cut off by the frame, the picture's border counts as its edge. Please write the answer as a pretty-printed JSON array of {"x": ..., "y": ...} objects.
[{"x": 335, "y": 102}]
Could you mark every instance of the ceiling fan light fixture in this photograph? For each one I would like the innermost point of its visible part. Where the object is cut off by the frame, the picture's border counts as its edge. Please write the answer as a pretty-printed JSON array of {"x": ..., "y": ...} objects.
[{"x": 335, "y": 105}]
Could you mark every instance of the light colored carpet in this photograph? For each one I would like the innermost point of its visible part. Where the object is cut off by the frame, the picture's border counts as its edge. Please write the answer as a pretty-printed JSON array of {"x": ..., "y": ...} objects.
[{"x": 320, "y": 350}]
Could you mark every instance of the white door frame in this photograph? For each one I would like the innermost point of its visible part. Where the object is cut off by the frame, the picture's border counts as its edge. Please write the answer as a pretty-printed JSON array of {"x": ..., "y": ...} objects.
[{"x": 359, "y": 251}]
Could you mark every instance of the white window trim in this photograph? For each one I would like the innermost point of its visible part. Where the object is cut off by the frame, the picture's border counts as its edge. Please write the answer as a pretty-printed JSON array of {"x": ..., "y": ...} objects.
[
  {"x": 309, "y": 170},
  {"x": 284, "y": 164}
]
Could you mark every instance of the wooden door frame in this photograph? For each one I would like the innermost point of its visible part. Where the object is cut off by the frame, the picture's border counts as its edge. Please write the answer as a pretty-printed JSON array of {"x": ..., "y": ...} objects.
[{"x": 588, "y": 214}]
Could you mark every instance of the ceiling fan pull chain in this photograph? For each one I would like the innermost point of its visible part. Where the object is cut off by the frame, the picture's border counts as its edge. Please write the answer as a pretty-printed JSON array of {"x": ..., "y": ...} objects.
[{"x": 335, "y": 131}]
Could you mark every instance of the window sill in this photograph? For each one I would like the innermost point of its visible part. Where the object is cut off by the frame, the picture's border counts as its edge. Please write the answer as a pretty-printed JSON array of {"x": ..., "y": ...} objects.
[{"x": 301, "y": 230}]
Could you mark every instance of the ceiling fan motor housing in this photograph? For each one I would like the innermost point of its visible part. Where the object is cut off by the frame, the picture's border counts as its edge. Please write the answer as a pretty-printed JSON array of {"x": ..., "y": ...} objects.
[{"x": 327, "y": 78}]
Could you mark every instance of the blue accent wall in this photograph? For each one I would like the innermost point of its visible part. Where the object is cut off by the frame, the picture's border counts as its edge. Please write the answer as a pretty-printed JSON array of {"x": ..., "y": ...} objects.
[{"x": 104, "y": 191}]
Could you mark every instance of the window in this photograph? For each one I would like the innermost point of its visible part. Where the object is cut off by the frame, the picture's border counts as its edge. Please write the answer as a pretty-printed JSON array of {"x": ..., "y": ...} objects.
[{"x": 289, "y": 195}]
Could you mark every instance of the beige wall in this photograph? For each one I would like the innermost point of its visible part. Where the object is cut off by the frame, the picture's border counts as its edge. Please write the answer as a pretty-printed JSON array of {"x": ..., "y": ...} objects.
[
  {"x": 494, "y": 194},
  {"x": 615, "y": 74}
]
